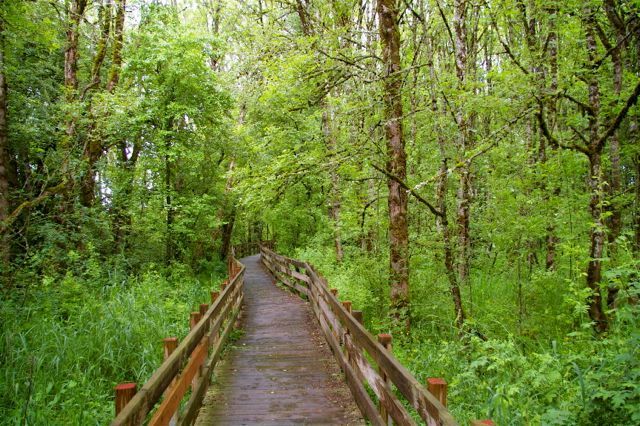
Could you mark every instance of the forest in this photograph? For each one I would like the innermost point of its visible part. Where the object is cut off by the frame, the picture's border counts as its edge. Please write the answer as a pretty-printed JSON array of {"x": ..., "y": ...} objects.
[{"x": 466, "y": 172}]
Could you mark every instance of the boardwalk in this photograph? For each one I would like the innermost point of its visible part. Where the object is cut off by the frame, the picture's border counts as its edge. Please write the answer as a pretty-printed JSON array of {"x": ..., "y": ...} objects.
[{"x": 281, "y": 370}]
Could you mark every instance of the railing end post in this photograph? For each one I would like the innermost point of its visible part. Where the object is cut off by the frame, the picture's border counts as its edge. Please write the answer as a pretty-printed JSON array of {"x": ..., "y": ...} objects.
[
  {"x": 124, "y": 393},
  {"x": 438, "y": 387},
  {"x": 385, "y": 340}
]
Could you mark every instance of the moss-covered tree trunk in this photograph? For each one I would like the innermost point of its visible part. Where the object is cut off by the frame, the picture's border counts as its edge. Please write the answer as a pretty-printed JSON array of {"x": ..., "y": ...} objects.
[{"x": 396, "y": 160}]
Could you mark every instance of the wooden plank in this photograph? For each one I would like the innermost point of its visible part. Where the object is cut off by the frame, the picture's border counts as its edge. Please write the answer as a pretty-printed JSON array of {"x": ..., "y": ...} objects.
[
  {"x": 301, "y": 277},
  {"x": 171, "y": 403}
]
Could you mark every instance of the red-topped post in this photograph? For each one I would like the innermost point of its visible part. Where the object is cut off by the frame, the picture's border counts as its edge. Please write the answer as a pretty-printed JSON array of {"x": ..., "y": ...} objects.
[
  {"x": 124, "y": 393},
  {"x": 438, "y": 387}
]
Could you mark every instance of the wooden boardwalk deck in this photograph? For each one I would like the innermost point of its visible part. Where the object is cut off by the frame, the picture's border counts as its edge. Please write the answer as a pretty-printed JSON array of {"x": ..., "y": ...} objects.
[{"x": 280, "y": 371}]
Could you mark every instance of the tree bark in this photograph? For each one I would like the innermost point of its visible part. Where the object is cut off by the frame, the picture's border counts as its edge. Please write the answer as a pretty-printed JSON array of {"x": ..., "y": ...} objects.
[
  {"x": 596, "y": 185},
  {"x": 116, "y": 61},
  {"x": 5, "y": 243},
  {"x": 463, "y": 144},
  {"x": 396, "y": 161},
  {"x": 334, "y": 192},
  {"x": 597, "y": 238},
  {"x": 75, "y": 13}
]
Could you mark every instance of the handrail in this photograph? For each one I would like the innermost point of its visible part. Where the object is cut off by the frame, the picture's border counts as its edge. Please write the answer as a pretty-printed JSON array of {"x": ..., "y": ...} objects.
[
  {"x": 190, "y": 364},
  {"x": 349, "y": 341}
]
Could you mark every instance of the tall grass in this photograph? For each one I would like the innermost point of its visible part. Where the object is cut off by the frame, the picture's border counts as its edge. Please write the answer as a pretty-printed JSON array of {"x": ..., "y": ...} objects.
[{"x": 64, "y": 344}]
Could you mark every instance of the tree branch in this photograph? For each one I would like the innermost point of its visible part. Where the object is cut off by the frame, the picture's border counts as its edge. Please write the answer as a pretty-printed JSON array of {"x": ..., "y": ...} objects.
[
  {"x": 402, "y": 183},
  {"x": 631, "y": 101},
  {"x": 6, "y": 224}
]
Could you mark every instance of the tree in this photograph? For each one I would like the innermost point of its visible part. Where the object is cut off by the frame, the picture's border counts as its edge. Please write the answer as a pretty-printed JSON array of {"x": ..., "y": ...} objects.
[{"x": 396, "y": 160}]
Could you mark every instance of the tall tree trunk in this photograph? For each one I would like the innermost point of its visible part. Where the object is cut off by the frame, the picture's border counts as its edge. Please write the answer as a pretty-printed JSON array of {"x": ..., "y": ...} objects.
[
  {"x": 92, "y": 150},
  {"x": 551, "y": 238},
  {"x": 229, "y": 215},
  {"x": 442, "y": 220},
  {"x": 445, "y": 230},
  {"x": 463, "y": 143},
  {"x": 116, "y": 57},
  {"x": 598, "y": 240},
  {"x": 396, "y": 160},
  {"x": 5, "y": 243},
  {"x": 120, "y": 217},
  {"x": 334, "y": 192},
  {"x": 636, "y": 214},
  {"x": 75, "y": 12},
  {"x": 596, "y": 185}
]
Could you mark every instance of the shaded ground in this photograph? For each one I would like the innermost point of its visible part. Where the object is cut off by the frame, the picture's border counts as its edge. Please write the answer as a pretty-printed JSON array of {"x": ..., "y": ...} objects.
[{"x": 280, "y": 371}]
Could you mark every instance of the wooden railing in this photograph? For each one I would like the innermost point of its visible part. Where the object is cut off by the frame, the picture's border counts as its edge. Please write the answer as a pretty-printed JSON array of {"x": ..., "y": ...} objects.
[
  {"x": 367, "y": 363},
  {"x": 187, "y": 365}
]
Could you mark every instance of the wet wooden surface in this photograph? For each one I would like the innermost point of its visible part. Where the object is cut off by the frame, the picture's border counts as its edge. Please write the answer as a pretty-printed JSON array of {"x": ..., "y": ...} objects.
[{"x": 280, "y": 371}]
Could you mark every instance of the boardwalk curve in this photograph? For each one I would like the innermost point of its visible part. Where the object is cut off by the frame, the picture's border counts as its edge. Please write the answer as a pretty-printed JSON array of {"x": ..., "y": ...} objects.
[{"x": 281, "y": 370}]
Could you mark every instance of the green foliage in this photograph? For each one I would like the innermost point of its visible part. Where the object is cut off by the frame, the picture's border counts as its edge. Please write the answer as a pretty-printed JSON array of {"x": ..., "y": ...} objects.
[{"x": 65, "y": 343}]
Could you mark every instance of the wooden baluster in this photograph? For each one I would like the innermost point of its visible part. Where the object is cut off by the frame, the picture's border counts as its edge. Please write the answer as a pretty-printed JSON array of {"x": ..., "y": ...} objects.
[
  {"x": 194, "y": 319},
  {"x": 203, "y": 309},
  {"x": 438, "y": 387},
  {"x": 214, "y": 298},
  {"x": 385, "y": 340},
  {"x": 358, "y": 316},
  {"x": 124, "y": 393},
  {"x": 170, "y": 345},
  {"x": 347, "y": 306}
]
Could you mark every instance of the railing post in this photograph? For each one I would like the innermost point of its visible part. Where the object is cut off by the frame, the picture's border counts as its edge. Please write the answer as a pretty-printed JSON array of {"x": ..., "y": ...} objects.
[
  {"x": 438, "y": 387},
  {"x": 485, "y": 422},
  {"x": 358, "y": 316},
  {"x": 334, "y": 291},
  {"x": 124, "y": 393},
  {"x": 214, "y": 296},
  {"x": 194, "y": 319},
  {"x": 170, "y": 345},
  {"x": 385, "y": 340},
  {"x": 203, "y": 309}
]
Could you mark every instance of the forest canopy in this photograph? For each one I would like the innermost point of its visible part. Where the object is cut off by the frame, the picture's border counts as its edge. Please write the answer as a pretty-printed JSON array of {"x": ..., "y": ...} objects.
[{"x": 466, "y": 172}]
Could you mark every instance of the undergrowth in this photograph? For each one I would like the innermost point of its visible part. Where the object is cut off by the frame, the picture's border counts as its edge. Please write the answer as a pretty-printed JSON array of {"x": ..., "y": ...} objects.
[
  {"x": 540, "y": 362},
  {"x": 67, "y": 341}
]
